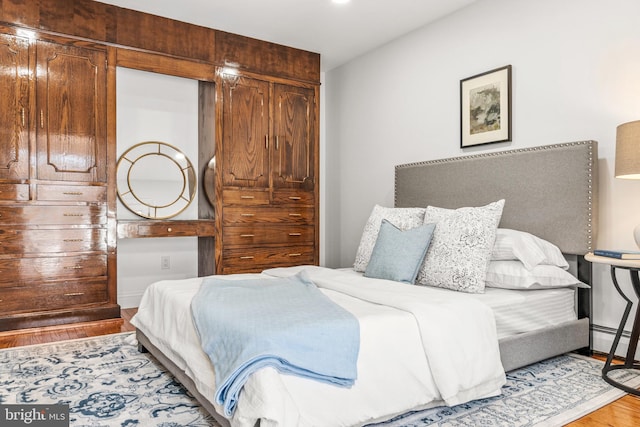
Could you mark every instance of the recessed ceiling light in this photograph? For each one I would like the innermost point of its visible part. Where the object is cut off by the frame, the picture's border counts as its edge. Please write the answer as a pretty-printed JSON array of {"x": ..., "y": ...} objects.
[{"x": 340, "y": 1}]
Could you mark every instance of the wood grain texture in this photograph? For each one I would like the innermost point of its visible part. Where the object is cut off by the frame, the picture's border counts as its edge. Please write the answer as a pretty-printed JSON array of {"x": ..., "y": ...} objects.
[
  {"x": 292, "y": 162},
  {"x": 158, "y": 63},
  {"x": 245, "y": 215},
  {"x": 49, "y": 334},
  {"x": 99, "y": 22},
  {"x": 167, "y": 228},
  {"x": 53, "y": 296},
  {"x": 249, "y": 54},
  {"x": 158, "y": 34},
  {"x": 53, "y": 215},
  {"x": 26, "y": 271},
  {"x": 246, "y": 132},
  {"x": 14, "y": 107},
  {"x": 71, "y": 118},
  {"x": 257, "y": 258},
  {"x": 14, "y": 192},
  {"x": 234, "y": 236}
]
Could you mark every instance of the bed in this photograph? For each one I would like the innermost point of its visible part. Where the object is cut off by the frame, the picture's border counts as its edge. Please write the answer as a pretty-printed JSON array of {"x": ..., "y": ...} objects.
[{"x": 549, "y": 192}]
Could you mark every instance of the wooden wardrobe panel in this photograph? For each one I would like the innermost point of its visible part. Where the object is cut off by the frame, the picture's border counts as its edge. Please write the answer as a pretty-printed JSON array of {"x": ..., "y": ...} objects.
[
  {"x": 71, "y": 118},
  {"x": 14, "y": 107}
]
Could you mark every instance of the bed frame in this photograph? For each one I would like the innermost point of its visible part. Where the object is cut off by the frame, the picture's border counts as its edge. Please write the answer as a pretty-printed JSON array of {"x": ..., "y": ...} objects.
[{"x": 550, "y": 191}]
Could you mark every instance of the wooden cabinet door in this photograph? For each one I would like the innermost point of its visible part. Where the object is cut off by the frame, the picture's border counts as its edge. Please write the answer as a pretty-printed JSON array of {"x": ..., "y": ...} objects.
[
  {"x": 294, "y": 129},
  {"x": 14, "y": 107},
  {"x": 245, "y": 133},
  {"x": 71, "y": 112}
]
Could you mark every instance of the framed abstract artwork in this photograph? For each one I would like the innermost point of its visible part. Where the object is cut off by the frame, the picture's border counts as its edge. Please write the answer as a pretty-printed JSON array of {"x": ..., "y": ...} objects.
[{"x": 485, "y": 108}]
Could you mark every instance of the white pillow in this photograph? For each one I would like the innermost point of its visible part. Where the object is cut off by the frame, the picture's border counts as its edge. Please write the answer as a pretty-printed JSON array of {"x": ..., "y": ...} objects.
[
  {"x": 461, "y": 246},
  {"x": 529, "y": 249},
  {"x": 402, "y": 218},
  {"x": 514, "y": 275}
]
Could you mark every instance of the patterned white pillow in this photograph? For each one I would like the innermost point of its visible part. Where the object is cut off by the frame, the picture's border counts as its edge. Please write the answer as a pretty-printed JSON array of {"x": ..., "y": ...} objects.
[
  {"x": 461, "y": 246},
  {"x": 402, "y": 218}
]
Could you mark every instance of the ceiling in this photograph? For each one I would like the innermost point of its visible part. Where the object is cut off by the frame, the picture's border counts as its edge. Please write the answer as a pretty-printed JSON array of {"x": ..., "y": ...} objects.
[{"x": 339, "y": 32}]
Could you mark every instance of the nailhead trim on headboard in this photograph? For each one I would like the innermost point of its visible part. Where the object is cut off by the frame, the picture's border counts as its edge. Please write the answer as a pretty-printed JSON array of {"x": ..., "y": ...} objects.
[{"x": 590, "y": 176}]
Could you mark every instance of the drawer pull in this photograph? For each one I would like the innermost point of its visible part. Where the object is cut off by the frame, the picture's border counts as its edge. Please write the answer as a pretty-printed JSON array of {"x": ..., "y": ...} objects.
[
  {"x": 246, "y": 257},
  {"x": 295, "y": 234},
  {"x": 74, "y": 294},
  {"x": 247, "y": 214},
  {"x": 169, "y": 229},
  {"x": 292, "y": 255},
  {"x": 72, "y": 193},
  {"x": 295, "y": 197},
  {"x": 247, "y": 197},
  {"x": 72, "y": 240},
  {"x": 71, "y": 214},
  {"x": 75, "y": 267},
  {"x": 247, "y": 235},
  {"x": 296, "y": 215}
]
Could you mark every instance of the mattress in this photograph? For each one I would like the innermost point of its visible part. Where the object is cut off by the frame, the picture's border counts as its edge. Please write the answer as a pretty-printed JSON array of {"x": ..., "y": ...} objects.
[
  {"x": 520, "y": 311},
  {"x": 166, "y": 308}
]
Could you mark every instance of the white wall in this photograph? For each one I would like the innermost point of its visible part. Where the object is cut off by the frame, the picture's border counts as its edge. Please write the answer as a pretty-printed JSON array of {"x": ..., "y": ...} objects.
[
  {"x": 576, "y": 76},
  {"x": 155, "y": 107}
]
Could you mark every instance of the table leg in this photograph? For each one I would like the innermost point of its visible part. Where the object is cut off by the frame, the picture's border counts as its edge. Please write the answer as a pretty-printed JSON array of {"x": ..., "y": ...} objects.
[
  {"x": 635, "y": 332},
  {"x": 633, "y": 342}
]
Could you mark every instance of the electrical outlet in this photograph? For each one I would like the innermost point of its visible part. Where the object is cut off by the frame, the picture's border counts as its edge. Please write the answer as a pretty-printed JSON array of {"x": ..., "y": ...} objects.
[{"x": 165, "y": 262}]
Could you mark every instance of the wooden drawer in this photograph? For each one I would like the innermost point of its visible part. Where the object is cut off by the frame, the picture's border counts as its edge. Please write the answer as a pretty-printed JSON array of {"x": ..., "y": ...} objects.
[
  {"x": 283, "y": 197},
  {"x": 14, "y": 192},
  {"x": 163, "y": 230},
  {"x": 168, "y": 228},
  {"x": 71, "y": 193},
  {"x": 235, "y": 215},
  {"x": 54, "y": 215},
  {"x": 256, "y": 259},
  {"x": 268, "y": 234},
  {"x": 19, "y": 271},
  {"x": 16, "y": 241},
  {"x": 245, "y": 197},
  {"x": 54, "y": 296}
]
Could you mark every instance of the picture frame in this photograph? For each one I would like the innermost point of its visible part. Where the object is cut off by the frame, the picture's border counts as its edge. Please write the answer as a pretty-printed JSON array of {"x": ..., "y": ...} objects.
[{"x": 485, "y": 108}]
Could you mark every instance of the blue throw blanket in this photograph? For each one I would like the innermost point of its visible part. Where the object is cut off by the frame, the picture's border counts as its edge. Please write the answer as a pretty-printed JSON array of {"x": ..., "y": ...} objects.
[{"x": 285, "y": 323}]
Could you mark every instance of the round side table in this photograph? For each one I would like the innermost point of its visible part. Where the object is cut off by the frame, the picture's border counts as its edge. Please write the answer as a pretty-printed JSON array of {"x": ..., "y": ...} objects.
[{"x": 633, "y": 266}]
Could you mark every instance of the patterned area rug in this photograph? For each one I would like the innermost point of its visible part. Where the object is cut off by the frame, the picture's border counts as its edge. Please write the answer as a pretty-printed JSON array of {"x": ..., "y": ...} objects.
[
  {"x": 550, "y": 393},
  {"x": 107, "y": 382}
]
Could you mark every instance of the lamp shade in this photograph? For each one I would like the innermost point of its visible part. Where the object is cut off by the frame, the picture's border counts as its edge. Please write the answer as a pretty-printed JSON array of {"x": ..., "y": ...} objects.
[{"x": 628, "y": 150}]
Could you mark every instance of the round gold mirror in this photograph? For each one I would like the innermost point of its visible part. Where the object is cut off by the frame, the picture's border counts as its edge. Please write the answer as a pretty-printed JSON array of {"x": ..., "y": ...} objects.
[{"x": 155, "y": 180}]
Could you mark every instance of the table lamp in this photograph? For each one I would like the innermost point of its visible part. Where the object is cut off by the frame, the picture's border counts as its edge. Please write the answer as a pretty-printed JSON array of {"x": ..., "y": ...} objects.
[{"x": 628, "y": 157}]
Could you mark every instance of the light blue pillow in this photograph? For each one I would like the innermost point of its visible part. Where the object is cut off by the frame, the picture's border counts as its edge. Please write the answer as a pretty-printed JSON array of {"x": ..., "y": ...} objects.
[{"x": 397, "y": 254}]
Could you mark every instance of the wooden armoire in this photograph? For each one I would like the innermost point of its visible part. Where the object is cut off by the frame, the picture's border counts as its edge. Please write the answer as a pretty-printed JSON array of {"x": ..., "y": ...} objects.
[
  {"x": 258, "y": 153},
  {"x": 267, "y": 173},
  {"x": 54, "y": 251}
]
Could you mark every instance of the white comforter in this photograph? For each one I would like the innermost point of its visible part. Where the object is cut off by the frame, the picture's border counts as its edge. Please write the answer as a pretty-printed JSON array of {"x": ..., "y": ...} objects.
[{"x": 420, "y": 347}]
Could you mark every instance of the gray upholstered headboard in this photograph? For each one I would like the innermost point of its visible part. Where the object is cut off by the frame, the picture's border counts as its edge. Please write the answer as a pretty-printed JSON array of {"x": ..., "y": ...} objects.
[{"x": 550, "y": 191}]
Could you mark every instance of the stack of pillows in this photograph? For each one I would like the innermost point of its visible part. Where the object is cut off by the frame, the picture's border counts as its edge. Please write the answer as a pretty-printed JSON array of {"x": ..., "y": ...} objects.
[{"x": 459, "y": 249}]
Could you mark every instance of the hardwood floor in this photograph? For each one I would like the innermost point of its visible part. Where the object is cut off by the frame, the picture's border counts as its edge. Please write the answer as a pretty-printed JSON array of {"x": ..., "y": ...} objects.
[
  {"x": 67, "y": 332},
  {"x": 624, "y": 412}
]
